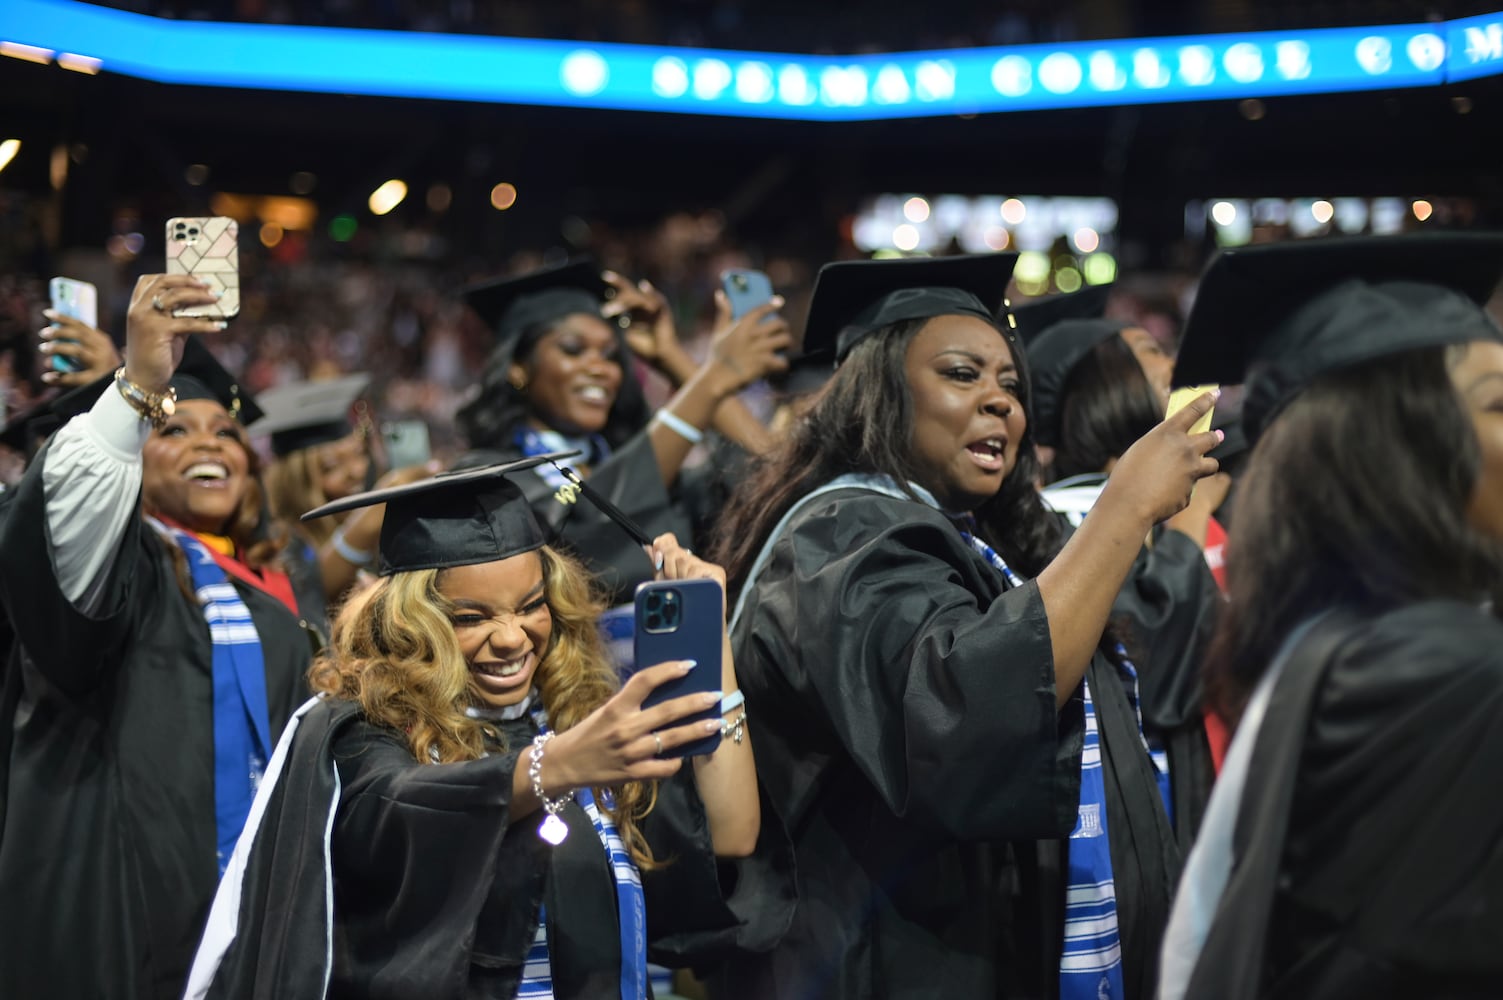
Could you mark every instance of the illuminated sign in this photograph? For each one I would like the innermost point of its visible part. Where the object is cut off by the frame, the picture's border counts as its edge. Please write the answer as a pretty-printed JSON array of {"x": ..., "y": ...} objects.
[{"x": 755, "y": 84}]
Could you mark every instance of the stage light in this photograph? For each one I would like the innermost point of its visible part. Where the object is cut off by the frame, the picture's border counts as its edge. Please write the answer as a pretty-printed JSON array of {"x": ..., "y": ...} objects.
[
  {"x": 31, "y": 53},
  {"x": 670, "y": 77},
  {"x": 1223, "y": 213},
  {"x": 1060, "y": 73},
  {"x": 1197, "y": 66},
  {"x": 342, "y": 228},
  {"x": 905, "y": 237},
  {"x": 78, "y": 63},
  {"x": 1012, "y": 76},
  {"x": 1292, "y": 60},
  {"x": 891, "y": 86},
  {"x": 754, "y": 83},
  {"x": 1014, "y": 211},
  {"x": 1422, "y": 210},
  {"x": 387, "y": 197},
  {"x": 503, "y": 196},
  {"x": 1086, "y": 239},
  {"x": 271, "y": 235},
  {"x": 1105, "y": 74},
  {"x": 794, "y": 88},
  {"x": 1244, "y": 62},
  {"x": 1375, "y": 54},
  {"x": 584, "y": 73},
  {"x": 711, "y": 77},
  {"x": 1100, "y": 269},
  {"x": 916, "y": 209},
  {"x": 1427, "y": 51},
  {"x": 996, "y": 238},
  {"x": 843, "y": 86},
  {"x": 935, "y": 80},
  {"x": 1322, "y": 211},
  {"x": 1149, "y": 70},
  {"x": 8, "y": 150},
  {"x": 1067, "y": 279}
]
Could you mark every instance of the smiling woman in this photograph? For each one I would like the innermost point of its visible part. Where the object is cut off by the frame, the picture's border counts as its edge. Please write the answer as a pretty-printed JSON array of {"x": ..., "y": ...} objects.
[{"x": 161, "y": 651}]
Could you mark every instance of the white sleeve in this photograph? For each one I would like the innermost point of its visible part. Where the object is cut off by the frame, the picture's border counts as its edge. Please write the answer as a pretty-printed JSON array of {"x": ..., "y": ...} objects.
[{"x": 90, "y": 478}]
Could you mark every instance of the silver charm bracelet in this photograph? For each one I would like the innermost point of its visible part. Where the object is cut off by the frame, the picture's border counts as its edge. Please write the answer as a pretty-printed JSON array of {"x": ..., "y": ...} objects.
[{"x": 552, "y": 829}]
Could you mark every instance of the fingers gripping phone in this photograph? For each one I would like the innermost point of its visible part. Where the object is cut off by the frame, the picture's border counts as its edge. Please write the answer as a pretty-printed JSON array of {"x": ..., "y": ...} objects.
[
  {"x": 746, "y": 290},
  {"x": 76, "y": 299},
  {"x": 208, "y": 249},
  {"x": 682, "y": 620},
  {"x": 1181, "y": 398}
]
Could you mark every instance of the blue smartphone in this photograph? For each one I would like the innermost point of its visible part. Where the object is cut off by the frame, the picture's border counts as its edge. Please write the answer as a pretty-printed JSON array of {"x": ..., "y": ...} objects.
[
  {"x": 746, "y": 290},
  {"x": 682, "y": 620},
  {"x": 77, "y": 300}
]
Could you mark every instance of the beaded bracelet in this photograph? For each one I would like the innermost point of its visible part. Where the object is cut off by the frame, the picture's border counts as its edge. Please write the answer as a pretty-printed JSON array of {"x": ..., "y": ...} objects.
[
  {"x": 552, "y": 829},
  {"x": 680, "y": 426}
]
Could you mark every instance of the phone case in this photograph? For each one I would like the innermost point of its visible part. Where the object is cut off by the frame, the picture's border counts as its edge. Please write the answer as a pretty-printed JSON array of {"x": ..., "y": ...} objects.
[
  {"x": 746, "y": 290},
  {"x": 406, "y": 443},
  {"x": 79, "y": 300},
  {"x": 1181, "y": 398},
  {"x": 208, "y": 249},
  {"x": 694, "y": 633}
]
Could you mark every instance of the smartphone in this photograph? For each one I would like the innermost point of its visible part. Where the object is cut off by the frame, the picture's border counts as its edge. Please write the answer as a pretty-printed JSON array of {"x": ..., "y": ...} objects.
[
  {"x": 79, "y": 300},
  {"x": 746, "y": 290},
  {"x": 682, "y": 620},
  {"x": 208, "y": 249},
  {"x": 1181, "y": 398},
  {"x": 406, "y": 443}
]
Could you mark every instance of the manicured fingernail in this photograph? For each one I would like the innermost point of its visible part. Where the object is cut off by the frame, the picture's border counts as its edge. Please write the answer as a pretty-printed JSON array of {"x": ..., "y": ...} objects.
[
  {"x": 1216, "y": 393},
  {"x": 1221, "y": 435},
  {"x": 49, "y": 314},
  {"x": 777, "y": 300},
  {"x": 219, "y": 294},
  {"x": 712, "y": 698},
  {"x": 49, "y": 376},
  {"x": 47, "y": 348},
  {"x": 222, "y": 325},
  {"x": 688, "y": 665},
  {"x": 712, "y": 726},
  {"x": 658, "y": 562}
]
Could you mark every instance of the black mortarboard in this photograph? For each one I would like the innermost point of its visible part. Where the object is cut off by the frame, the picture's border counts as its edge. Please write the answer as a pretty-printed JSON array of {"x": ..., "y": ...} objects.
[
  {"x": 201, "y": 376},
  {"x": 1279, "y": 315},
  {"x": 307, "y": 414},
  {"x": 1058, "y": 332},
  {"x": 529, "y": 303},
  {"x": 855, "y": 298},
  {"x": 463, "y": 518}
]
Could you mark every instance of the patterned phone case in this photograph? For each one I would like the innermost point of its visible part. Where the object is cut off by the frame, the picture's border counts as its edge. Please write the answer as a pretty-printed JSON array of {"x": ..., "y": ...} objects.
[{"x": 207, "y": 248}]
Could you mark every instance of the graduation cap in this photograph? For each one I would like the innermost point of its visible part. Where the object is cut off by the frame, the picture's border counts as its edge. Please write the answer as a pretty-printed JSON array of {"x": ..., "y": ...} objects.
[
  {"x": 467, "y": 517},
  {"x": 201, "y": 376},
  {"x": 529, "y": 303},
  {"x": 1058, "y": 333},
  {"x": 307, "y": 414},
  {"x": 1284, "y": 314},
  {"x": 855, "y": 298}
]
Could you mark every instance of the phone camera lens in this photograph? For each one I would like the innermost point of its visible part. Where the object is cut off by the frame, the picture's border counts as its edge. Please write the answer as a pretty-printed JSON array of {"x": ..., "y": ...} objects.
[{"x": 739, "y": 280}]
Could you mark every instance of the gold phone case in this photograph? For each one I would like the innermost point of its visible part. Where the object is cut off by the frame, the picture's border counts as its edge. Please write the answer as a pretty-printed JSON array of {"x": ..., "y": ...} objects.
[{"x": 208, "y": 249}]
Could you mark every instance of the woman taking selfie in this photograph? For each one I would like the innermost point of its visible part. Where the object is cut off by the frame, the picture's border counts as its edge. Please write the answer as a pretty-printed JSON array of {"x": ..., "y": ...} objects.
[
  {"x": 560, "y": 379},
  {"x": 1351, "y": 846},
  {"x": 919, "y": 698},
  {"x": 500, "y": 816},
  {"x": 160, "y": 652}
]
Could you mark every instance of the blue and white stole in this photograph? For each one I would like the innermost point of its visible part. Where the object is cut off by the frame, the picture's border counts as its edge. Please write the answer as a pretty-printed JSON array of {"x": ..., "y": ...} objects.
[
  {"x": 242, "y": 722},
  {"x": 1091, "y": 966},
  {"x": 531, "y": 441},
  {"x": 631, "y": 908}
]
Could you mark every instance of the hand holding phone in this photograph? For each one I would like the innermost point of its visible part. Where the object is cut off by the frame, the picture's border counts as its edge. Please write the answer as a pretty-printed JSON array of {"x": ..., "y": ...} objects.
[
  {"x": 683, "y": 620},
  {"x": 207, "y": 248},
  {"x": 1181, "y": 398},
  {"x": 745, "y": 290},
  {"x": 406, "y": 443},
  {"x": 77, "y": 300}
]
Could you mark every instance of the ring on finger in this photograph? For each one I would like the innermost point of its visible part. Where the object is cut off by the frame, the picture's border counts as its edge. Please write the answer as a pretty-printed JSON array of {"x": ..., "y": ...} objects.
[
  {"x": 156, "y": 303},
  {"x": 659, "y": 741}
]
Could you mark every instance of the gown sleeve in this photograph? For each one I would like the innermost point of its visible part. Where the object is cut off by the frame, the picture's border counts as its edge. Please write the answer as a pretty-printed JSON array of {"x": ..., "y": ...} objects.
[
  {"x": 897, "y": 641},
  {"x": 417, "y": 851},
  {"x": 1170, "y": 602},
  {"x": 73, "y": 544}
]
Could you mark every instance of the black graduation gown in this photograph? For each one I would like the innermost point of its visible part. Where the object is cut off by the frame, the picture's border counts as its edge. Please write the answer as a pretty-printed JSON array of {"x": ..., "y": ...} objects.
[
  {"x": 906, "y": 731},
  {"x": 631, "y": 480},
  {"x": 300, "y": 560},
  {"x": 1168, "y": 608},
  {"x": 107, "y": 864},
  {"x": 1367, "y": 857},
  {"x": 436, "y": 894}
]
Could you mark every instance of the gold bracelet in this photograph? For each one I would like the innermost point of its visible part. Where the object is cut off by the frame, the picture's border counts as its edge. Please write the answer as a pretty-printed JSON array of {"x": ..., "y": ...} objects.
[{"x": 155, "y": 407}]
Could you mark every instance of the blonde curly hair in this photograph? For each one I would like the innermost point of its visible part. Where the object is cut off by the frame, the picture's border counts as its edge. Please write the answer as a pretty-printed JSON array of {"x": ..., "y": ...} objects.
[{"x": 393, "y": 650}]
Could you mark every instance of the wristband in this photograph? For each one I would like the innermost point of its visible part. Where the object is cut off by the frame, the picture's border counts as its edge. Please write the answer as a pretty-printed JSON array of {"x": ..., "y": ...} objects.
[
  {"x": 357, "y": 557},
  {"x": 731, "y": 702},
  {"x": 680, "y": 426}
]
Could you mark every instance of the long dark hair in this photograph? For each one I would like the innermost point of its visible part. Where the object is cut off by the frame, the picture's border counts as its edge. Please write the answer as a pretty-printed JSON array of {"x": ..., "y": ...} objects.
[
  {"x": 1355, "y": 497},
  {"x": 862, "y": 421},
  {"x": 499, "y": 408},
  {"x": 1108, "y": 404}
]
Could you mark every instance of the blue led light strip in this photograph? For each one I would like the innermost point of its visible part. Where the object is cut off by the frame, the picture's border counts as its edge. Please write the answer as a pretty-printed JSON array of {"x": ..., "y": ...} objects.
[{"x": 758, "y": 84}]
